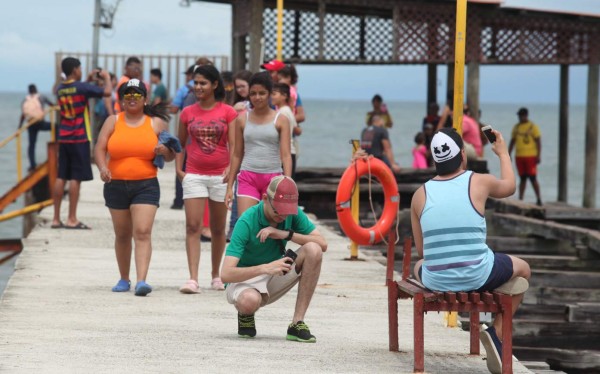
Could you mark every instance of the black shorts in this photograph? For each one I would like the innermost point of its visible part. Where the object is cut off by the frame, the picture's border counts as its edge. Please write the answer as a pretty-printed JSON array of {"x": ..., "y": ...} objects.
[
  {"x": 502, "y": 271},
  {"x": 74, "y": 161},
  {"x": 121, "y": 194}
]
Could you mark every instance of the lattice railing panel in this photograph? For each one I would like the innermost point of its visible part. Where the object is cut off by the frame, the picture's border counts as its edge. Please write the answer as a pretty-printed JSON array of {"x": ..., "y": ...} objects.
[
  {"x": 342, "y": 37},
  {"x": 379, "y": 37},
  {"x": 424, "y": 32},
  {"x": 309, "y": 36},
  {"x": 270, "y": 33}
]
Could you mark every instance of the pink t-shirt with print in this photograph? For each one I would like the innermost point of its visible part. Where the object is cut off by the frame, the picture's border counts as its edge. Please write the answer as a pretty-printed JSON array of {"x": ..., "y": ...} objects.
[{"x": 208, "y": 145}]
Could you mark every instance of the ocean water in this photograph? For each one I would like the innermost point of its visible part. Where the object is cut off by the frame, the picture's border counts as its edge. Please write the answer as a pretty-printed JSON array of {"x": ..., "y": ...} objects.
[{"x": 331, "y": 124}]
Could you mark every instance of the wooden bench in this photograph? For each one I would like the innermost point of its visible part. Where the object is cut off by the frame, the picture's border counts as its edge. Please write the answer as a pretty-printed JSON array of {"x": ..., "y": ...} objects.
[{"x": 425, "y": 300}]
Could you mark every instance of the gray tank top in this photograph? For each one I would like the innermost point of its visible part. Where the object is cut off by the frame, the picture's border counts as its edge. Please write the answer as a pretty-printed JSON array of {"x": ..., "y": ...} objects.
[{"x": 261, "y": 147}]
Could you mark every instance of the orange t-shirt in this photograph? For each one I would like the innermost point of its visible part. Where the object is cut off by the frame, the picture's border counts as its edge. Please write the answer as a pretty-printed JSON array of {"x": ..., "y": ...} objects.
[{"x": 131, "y": 150}]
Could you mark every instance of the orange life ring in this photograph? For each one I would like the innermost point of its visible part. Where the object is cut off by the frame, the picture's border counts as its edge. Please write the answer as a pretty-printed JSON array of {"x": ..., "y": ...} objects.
[{"x": 351, "y": 228}]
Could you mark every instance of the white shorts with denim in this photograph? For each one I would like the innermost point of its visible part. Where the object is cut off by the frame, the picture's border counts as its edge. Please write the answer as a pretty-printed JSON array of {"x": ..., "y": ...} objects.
[
  {"x": 198, "y": 186},
  {"x": 271, "y": 287}
]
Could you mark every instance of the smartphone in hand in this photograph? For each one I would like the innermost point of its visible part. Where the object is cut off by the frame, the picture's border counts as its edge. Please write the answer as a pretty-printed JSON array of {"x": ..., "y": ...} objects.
[{"x": 487, "y": 131}]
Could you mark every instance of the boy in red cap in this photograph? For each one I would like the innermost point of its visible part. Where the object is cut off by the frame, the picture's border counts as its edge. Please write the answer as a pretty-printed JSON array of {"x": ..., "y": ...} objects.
[{"x": 258, "y": 268}]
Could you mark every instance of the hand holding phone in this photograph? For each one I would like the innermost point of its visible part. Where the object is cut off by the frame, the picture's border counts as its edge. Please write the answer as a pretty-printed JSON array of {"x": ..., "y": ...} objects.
[{"x": 487, "y": 131}]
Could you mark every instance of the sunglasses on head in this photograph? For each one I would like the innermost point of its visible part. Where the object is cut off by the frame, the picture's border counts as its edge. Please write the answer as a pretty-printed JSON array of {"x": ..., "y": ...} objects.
[{"x": 132, "y": 96}]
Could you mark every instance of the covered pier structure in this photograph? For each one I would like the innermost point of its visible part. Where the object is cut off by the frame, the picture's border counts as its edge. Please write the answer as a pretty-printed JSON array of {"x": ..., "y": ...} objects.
[{"x": 422, "y": 32}]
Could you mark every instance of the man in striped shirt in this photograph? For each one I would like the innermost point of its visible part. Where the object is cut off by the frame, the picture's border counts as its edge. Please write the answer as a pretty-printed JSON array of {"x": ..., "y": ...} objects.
[
  {"x": 74, "y": 136},
  {"x": 449, "y": 229}
]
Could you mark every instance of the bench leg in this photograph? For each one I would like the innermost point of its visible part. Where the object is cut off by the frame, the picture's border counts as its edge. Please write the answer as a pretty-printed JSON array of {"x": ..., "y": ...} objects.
[
  {"x": 419, "y": 330},
  {"x": 474, "y": 332},
  {"x": 507, "y": 335},
  {"x": 393, "y": 315}
]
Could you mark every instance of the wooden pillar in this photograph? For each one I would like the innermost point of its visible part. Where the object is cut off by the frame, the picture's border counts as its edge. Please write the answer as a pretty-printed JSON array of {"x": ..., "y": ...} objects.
[
  {"x": 321, "y": 29},
  {"x": 591, "y": 138},
  {"x": 256, "y": 34},
  {"x": 473, "y": 88},
  {"x": 238, "y": 39},
  {"x": 563, "y": 133},
  {"x": 431, "y": 85}
]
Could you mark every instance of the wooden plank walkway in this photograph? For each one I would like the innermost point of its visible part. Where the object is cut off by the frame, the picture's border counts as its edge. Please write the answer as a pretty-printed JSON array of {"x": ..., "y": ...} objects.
[{"x": 58, "y": 314}]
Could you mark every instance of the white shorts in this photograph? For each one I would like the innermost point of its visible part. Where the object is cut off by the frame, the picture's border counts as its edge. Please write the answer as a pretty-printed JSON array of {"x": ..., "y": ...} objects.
[
  {"x": 271, "y": 287},
  {"x": 198, "y": 186}
]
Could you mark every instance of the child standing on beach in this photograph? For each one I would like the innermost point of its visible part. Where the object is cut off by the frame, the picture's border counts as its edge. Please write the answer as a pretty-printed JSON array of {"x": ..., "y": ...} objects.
[{"x": 420, "y": 152}]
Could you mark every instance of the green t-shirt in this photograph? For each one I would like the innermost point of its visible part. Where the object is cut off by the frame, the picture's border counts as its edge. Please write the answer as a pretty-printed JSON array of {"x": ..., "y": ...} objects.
[
  {"x": 159, "y": 91},
  {"x": 248, "y": 248}
]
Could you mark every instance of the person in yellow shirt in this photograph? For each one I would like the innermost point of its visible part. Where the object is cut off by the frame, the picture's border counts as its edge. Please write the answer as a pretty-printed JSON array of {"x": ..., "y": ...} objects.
[{"x": 526, "y": 136}]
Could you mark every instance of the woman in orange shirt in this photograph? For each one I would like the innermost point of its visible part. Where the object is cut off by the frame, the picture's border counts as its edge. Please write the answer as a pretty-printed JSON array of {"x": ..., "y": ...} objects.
[{"x": 131, "y": 189}]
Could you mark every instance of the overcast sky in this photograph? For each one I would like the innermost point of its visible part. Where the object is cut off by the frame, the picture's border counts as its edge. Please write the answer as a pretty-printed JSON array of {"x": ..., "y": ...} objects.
[{"x": 32, "y": 31}]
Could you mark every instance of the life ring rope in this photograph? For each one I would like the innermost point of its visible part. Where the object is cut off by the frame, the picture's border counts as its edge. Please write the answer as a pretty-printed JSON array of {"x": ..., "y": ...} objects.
[{"x": 396, "y": 197}]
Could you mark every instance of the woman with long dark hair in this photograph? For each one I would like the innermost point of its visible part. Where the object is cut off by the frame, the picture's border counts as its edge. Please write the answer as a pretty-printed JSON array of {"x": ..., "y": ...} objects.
[
  {"x": 130, "y": 139},
  {"x": 262, "y": 146},
  {"x": 208, "y": 124}
]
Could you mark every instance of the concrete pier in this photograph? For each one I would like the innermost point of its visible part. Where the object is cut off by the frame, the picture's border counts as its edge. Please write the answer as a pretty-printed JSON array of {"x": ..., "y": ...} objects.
[{"x": 59, "y": 315}]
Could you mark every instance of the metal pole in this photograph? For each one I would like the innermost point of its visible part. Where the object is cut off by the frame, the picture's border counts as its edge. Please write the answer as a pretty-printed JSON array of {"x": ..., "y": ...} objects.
[
  {"x": 459, "y": 63},
  {"x": 96, "y": 39},
  {"x": 279, "y": 30},
  {"x": 354, "y": 203}
]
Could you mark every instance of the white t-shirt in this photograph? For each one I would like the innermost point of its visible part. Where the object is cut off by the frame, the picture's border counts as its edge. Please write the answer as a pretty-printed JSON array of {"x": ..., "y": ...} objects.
[{"x": 287, "y": 112}]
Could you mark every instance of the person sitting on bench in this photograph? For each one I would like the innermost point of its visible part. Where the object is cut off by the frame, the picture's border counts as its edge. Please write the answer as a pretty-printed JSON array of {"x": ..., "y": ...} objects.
[{"x": 449, "y": 230}]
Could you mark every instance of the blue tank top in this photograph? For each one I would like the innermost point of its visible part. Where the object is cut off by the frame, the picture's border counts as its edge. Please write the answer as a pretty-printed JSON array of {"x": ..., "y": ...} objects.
[{"x": 456, "y": 257}]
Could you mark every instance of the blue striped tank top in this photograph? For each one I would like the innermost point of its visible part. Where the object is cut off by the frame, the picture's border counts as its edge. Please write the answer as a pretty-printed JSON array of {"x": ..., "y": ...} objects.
[{"x": 456, "y": 257}]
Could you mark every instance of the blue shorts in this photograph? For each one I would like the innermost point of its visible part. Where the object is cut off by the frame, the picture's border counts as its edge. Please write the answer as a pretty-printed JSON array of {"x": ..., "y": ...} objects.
[
  {"x": 121, "y": 194},
  {"x": 502, "y": 271},
  {"x": 74, "y": 161}
]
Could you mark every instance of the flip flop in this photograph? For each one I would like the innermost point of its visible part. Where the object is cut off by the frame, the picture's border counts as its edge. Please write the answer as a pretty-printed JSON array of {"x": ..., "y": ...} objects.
[
  {"x": 79, "y": 226},
  {"x": 60, "y": 225}
]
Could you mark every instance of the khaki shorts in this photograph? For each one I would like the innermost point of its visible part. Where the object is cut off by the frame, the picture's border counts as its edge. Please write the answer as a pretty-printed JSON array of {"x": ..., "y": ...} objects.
[{"x": 271, "y": 287}]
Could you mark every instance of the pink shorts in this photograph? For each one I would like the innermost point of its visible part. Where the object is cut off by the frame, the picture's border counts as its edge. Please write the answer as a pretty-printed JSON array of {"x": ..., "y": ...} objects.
[{"x": 253, "y": 185}]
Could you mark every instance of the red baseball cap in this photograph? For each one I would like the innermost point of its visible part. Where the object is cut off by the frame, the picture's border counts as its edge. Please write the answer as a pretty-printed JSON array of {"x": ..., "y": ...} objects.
[
  {"x": 273, "y": 65},
  {"x": 283, "y": 193}
]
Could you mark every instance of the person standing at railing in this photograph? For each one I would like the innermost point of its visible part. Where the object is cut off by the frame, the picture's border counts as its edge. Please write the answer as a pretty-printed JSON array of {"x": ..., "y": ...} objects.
[
  {"x": 74, "y": 136},
  {"x": 32, "y": 110}
]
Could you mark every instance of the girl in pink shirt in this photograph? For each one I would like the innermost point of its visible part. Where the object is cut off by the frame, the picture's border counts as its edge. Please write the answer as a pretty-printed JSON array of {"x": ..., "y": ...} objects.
[
  {"x": 420, "y": 152},
  {"x": 208, "y": 125}
]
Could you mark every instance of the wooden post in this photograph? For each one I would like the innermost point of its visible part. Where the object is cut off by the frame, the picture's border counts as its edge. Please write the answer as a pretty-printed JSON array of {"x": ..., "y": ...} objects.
[
  {"x": 473, "y": 89},
  {"x": 238, "y": 39},
  {"x": 256, "y": 34},
  {"x": 431, "y": 85},
  {"x": 591, "y": 139},
  {"x": 563, "y": 133}
]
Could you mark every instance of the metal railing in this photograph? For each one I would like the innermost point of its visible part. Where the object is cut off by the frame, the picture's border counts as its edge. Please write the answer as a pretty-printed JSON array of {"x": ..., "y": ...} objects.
[
  {"x": 44, "y": 169},
  {"x": 173, "y": 67}
]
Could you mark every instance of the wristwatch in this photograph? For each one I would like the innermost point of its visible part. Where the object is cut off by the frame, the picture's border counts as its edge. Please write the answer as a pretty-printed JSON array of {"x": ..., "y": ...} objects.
[{"x": 290, "y": 234}]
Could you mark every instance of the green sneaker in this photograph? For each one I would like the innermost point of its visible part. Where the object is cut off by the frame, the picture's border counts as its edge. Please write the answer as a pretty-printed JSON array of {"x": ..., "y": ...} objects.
[
  {"x": 299, "y": 332},
  {"x": 246, "y": 326}
]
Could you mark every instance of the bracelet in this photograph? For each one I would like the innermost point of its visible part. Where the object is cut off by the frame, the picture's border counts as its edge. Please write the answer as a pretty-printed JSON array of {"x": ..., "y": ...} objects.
[{"x": 290, "y": 234}]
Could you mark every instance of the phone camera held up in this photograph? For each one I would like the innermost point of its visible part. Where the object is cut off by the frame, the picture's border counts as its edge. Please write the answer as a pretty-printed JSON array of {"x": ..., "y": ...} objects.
[
  {"x": 98, "y": 73},
  {"x": 487, "y": 131}
]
